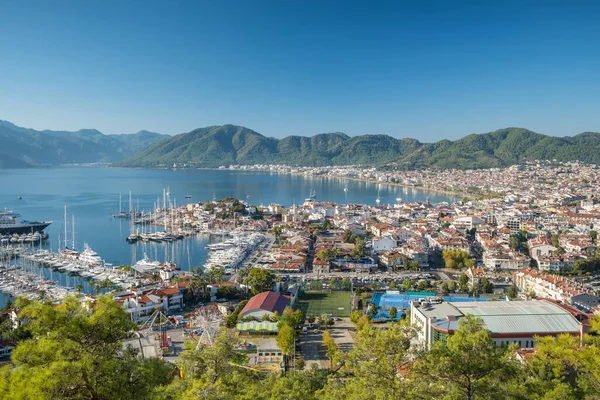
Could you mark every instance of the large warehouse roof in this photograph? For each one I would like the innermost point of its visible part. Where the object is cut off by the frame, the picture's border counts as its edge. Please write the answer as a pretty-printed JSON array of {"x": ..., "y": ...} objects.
[{"x": 537, "y": 316}]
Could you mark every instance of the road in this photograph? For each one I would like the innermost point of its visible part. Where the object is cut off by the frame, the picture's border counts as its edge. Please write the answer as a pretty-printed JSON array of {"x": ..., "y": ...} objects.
[
  {"x": 340, "y": 332},
  {"x": 313, "y": 351}
]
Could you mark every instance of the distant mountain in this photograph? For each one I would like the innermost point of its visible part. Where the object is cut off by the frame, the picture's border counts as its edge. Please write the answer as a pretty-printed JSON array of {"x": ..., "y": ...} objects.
[
  {"x": 8, "y": 162},
  {"x": 22, "y": 147},
  {"x": 228, "y": 144}
]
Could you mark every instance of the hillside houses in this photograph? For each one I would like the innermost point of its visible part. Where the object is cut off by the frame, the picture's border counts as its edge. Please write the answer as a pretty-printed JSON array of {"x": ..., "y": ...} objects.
[
  {"x": 549, "y": 286},
  {"x": 142, "y": 302}
]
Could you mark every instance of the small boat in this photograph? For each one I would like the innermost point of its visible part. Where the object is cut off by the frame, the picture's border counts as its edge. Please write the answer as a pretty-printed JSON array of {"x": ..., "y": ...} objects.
[
  {"x": 188, "y": 196},
  {"x": 20, "y": 197},
  {"x": 345, "y": 189}
]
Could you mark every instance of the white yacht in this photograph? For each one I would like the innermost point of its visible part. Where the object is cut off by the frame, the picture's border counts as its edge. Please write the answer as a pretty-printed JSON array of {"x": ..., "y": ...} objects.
[
  {"x": 146, "y": 266},
  {"x": 89, "y": 257}
]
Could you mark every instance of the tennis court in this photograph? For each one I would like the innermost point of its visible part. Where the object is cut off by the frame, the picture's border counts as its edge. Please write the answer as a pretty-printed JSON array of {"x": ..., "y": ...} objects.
[
  {"x": 321, "y": 302},
  {"x": 401, "y": 300}
]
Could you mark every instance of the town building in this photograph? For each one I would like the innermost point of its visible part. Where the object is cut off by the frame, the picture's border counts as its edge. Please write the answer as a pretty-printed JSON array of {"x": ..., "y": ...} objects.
[
  {"x": 511, "y": 322},
  {"x": 142, "y": 302},
  {"x": 547, "y": 285},
  {"x": 265, "y": 303}
]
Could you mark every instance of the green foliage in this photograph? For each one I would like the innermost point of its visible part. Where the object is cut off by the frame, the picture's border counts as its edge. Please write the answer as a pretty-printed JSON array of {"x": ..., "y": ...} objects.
[
  {"x": 215, "y": 275},
  {"x": 232, "y": 318},
  {"x": 355, "y": 315},
  {"x": 291, "y": 317},
  {"x": 468, "y": 366},
  {"x": 260, "y": 279},
  {"x": 445, "y": 289},
  {"x": 228, "y": 292},
  {"x": 359, "y": 249},
  {"x": 486, "y": 285},
  {"x": 285, "y": 338},
  {"x": 76, "y": 353},
  {"x": 331, "y": 349},
  {"x": 372, "y": 311},
  {"x": 463, "y": 281},
  {"x": 452, "y": 286},
  {"x": 512, "y": 292},
  {"x": 227, "y": 144},
  {"x": 327, "y": 254},
  {"x": 347, "y": 236},
  {"x": 561, "y": 369},
  {"x": 588, "y": 264},
  {"x": 457, "y": 259},
  {"x": 370, "y": 369},
  {"x": 423, "y": 285},
  {"x": 345, "y": 284},
  {"x": 554, "y": 239},
  {"x": 393, "y": 313},
  {"x": 314, "y": 285}
]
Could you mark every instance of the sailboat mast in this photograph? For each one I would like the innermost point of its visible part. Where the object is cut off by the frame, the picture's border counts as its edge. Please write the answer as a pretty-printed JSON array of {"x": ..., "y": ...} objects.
[
  {"x": 130, "y": 209},
  {"x": 165, "y": 219},
  {"x": 73, "y": 232},
  {"x": 65, "y": 235},
  {"x": 120, "y": 208}
]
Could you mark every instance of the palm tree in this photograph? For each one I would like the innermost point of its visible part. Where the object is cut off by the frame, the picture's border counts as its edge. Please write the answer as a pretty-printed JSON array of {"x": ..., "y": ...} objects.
[
  {"x": 79, "y": 288},
  {"x": 243, "y": 276}
]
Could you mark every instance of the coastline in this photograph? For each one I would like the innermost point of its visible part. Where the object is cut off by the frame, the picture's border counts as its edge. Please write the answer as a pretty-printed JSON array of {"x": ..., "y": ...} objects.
[{"x": 450, "y": 193}]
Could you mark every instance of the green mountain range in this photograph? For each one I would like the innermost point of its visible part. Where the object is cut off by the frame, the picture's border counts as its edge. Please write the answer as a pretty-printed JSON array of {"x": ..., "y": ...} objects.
[
  {"x": 216, "y": 146},
  {"x": 22, "y": 147}
]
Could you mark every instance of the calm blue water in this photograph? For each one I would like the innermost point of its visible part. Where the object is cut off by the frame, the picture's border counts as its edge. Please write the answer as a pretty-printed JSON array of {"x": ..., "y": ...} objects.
[{"x": 92, "y": 194}]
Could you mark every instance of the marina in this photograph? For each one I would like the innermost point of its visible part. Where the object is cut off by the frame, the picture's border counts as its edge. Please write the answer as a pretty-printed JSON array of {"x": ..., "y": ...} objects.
[
  {"x": 97, "y": 207},
  {"x": 230, "y": 253}
]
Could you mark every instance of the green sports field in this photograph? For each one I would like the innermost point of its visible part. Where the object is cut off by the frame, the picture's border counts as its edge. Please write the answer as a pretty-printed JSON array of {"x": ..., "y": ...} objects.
[{"x": 322, "y": 302}]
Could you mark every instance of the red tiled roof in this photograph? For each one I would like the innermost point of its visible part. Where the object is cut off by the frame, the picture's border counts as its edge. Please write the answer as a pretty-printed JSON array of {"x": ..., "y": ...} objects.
[
  {"x": 144, "y": 299},
  {"x": 169, "y": 291},
  {"x": 268, "y": 301}
]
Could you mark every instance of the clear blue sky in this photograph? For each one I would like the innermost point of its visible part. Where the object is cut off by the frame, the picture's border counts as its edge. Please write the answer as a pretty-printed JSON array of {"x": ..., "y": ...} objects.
[{"x": 421, "y": 69}]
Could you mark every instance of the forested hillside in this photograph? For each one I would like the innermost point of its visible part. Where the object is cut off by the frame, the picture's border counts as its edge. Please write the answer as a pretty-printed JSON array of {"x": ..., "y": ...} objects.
[
  {"x": 72, "y": 351},
  {"x": 225, "y": 145},
  {"x": 22, "y": 147}
]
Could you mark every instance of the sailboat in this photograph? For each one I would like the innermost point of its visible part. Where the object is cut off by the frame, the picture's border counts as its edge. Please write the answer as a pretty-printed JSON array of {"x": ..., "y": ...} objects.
[
  {"x": 69, "y": 253},
  {"x": 311, "y": 198},
  {"x": 126, "y": 214}
]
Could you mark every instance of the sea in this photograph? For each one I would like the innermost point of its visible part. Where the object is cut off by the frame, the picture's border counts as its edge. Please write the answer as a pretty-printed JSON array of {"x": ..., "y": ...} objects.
[{"x": 91, "y": 195}]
